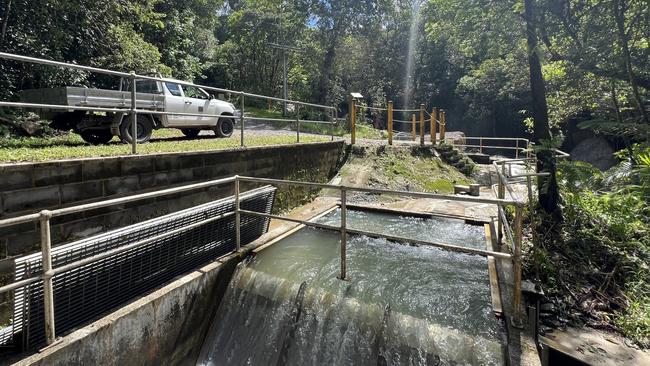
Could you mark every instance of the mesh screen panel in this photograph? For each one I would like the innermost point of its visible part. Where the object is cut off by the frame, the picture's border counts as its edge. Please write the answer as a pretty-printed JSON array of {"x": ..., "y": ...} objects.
[{"x": 84, "y": 293}]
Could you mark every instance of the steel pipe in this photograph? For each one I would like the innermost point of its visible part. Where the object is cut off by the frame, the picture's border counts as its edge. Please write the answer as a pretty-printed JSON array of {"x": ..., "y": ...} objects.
[
  {"x": 344, "y": 236},
  {"x": 48, "y": 273},
  {"x": 134, "y": 117},
  {"x": 381, "y": 191},
  {"x": 237, "y": 215},
  {"x": 35, "y": 60}
]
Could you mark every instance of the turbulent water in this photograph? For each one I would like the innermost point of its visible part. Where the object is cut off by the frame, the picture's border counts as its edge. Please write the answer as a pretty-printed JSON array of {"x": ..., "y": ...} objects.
[{"x": 402, "y": 305}]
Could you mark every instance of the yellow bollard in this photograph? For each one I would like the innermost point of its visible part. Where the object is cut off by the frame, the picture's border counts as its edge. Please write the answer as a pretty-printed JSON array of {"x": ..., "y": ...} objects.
[
  {"x": 413, "y": 126},
  {"x": 421, "y": 124},
  {"x": 442, "y": 126},
  {"x": 390, "y": 122},
  {"x": 353, "y": 122},
  {"x": 434, "y": 124}
]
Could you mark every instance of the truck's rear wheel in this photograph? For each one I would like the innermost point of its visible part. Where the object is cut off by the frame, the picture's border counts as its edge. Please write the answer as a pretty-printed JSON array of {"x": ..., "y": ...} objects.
[
  {"x": 190, "y": 132},
  {"x": 144, "y": 129},
  {"x": 224, "y": 127},
  {"x": 96, "y": 137}
]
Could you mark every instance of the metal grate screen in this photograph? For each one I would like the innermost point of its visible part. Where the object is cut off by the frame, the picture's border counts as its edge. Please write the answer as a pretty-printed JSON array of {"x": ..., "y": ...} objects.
[{"x": 88, "y": 291}]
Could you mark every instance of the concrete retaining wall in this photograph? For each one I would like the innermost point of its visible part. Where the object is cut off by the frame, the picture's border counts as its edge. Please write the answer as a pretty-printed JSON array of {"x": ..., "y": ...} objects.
[
  {"x": 31, "y": 187},
  {"x": 166, "y": 327}
]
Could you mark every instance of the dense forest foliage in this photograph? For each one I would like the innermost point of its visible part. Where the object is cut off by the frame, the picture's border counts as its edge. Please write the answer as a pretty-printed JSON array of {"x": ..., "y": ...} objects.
[
  {"x": 474, "y": 58},
  {"x": 467, "y": 56}
]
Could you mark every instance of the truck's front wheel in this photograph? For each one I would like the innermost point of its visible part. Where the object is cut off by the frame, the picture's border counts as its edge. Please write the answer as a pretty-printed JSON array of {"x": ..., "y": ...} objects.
[
  {"x": 96, "y": 137},
  {"x": 144, "y": 129},
  {"x": 224, "y": 127}
]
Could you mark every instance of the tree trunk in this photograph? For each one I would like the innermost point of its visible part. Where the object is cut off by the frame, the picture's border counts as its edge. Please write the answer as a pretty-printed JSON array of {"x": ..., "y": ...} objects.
[
  {"x": 548, "y": 189},
  {"x": 619, "y": 16},
  {"x": 619, "y": 119},
  {"x": 5, "y": 22}
]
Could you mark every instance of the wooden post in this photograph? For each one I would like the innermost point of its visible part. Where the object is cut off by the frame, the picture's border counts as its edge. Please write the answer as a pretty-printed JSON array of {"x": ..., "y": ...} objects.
[
  {"x": 442, "y": 126},
  {"x": 390, "y": 122},
  {"x": 434, "y": 123},
  {"x": 413, "y": 126},
  {"x": 421, "y": 124},
  {"x": 353, "y": 121}
]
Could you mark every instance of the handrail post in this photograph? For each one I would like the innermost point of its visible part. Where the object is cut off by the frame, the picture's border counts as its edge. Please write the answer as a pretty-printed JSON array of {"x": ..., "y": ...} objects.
[
  {"x": 517, "y": 305},
  {"x": 344, "y": 235},
  {"x": 332, "y": 125},
  {"x": 134, "y": 118},
  {"x": 517, "y": 148},
  {"x": 421, "y": 124},
  {"x": 353, "y": 121},
  {"x": 297, "y": 124},
  {"x": 413, "y": 126},
  {"x": 480, "y": 143},
  {"x": 390, "y": 122},
  {"x": 434, "y": 118},
  {"x": 48, "y": 291},
  {"x": 241, "y": 120},
  {"x": 237, "y": 215},
  {"x": 501, "y": 193}
]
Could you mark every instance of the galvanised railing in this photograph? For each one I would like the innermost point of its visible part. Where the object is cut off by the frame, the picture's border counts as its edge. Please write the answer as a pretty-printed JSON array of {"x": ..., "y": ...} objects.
[
  {"x": 44, "y": 218},
  {"x": 133, "y": 111},
  {"x": 519, "y": 145}
]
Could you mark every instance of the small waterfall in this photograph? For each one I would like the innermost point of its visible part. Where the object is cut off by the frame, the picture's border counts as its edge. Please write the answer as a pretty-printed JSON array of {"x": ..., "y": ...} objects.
[{"x": 267, "y": 320}]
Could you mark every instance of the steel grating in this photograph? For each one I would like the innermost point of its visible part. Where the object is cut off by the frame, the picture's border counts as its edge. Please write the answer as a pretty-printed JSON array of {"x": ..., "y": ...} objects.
[{"x": 84, "y": 293}]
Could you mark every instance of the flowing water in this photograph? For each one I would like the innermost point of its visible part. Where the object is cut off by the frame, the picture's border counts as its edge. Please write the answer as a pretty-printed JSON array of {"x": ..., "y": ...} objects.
[{"x": 402, "y": 305}]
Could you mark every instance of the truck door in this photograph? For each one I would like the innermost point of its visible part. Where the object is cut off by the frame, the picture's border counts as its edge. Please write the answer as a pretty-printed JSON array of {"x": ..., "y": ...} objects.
[
  {"x": 175, "y": 102},
  {"x": 197, "y": 101}
]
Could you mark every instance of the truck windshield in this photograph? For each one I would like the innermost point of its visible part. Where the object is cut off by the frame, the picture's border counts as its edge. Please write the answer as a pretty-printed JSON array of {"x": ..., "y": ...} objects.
[{"x": 194, "y": 92}]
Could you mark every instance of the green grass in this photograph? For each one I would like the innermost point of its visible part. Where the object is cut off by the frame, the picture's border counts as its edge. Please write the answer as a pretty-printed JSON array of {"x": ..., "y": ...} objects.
[
  {"x": 424, "y": 171},
  {"x": 364, "y": 130},
  {"x": 165, "y": 140}
]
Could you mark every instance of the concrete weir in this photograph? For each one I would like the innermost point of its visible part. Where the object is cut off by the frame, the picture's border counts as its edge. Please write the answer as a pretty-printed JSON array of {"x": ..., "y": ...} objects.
[
  {"x": 169, "y": 325},
  {"x": 164, "y": 327}
]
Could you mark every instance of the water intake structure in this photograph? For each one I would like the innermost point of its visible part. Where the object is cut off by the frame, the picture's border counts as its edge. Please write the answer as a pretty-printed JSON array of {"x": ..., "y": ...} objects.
[{"x": 401, "y": 305}]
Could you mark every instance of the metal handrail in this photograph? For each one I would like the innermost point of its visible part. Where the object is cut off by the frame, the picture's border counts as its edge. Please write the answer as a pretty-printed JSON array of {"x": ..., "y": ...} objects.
[
  {"x": 45, "y": 217},
  {"x": 133, "y": 111},
  {"x": 526, "y": 148},
  {"x": 15, "y": 57}
]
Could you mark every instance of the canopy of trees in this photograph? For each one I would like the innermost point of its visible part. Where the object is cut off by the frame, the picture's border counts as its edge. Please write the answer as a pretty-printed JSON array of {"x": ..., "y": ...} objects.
[{"x": 469, "y": 56}]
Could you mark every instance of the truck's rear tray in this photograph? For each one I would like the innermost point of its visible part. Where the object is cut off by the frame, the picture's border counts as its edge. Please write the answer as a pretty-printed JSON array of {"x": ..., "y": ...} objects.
[{"x": 88, "y": 97}]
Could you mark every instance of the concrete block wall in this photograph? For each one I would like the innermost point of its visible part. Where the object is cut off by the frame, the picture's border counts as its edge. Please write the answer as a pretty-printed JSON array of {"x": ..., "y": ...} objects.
[{"x": 31, "y": 187}]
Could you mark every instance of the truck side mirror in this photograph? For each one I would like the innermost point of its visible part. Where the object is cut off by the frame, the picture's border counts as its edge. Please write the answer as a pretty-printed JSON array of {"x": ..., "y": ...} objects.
[{"x": 212, "y": 96}]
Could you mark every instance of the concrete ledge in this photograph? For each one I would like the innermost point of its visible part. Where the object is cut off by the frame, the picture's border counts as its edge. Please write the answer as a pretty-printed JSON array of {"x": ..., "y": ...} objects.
[{"x": 165, "y": 327}]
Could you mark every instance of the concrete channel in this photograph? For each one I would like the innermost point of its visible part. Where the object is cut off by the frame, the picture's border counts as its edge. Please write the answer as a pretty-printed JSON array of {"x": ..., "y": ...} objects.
[{"x": 168, "y": 325}]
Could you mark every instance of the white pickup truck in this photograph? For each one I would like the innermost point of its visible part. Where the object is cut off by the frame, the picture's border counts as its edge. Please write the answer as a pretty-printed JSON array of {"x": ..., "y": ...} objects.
[{"x": 151, "y": 95}]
